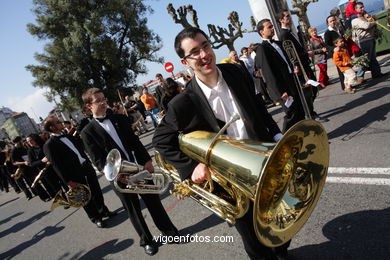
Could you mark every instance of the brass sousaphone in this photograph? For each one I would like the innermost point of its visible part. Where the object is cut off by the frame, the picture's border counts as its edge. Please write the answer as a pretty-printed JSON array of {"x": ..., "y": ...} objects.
[{"x": 284, "y": 180}]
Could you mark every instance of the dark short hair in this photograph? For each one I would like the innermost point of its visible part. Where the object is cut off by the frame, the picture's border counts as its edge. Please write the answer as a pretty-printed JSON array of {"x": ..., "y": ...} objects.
[
  {"x": 159, "y": 75},
  {"x": 190, "y": 32},
  {"x": 358, "y": 3},
  {"x": 338, "y": 39},
  {"x": 327, "y": 18},
  {"x": 280, "y": 14},
  {"x": 48, "y": 123},
  {"x": 17, "y": 139},
  {"x": 260, "y": 24},
  {"x": 243, "y": 49},
  {"x": 36, "y": 138},
  {"x": 87, "y": 95}
]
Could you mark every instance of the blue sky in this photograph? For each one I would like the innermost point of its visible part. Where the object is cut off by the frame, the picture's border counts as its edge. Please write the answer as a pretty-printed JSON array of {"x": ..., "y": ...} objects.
[{"x": 18, "y": 46}]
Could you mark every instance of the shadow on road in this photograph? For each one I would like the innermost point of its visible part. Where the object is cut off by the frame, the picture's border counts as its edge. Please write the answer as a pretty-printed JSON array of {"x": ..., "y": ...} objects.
[
  {"x": 9, "y": 218},
  {"x": 204, "y": 224},
  {"x": 46, "y": 232},
  {"x": 360, "y": 123},
  {"x": 101, "y": 251},
  {"x": 5, "y": 203},
  {"x": 23, "y": 224},
  {"x": 360, "y": 235}
]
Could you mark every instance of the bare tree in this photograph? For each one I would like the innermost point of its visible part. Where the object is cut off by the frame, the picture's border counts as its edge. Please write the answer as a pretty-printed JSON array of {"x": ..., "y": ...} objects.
[
  {"x": 182, "y": 12},
  {"x": 301, "y": 11},
  {"x": 221, "y": 36}
]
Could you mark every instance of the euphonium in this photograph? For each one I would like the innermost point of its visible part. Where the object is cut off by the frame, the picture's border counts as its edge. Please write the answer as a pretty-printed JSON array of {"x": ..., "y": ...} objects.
[
  {"x": 284, "y": 180},
  {"x": 129, "y": 178},
  {"x": 77, "y": 197}
]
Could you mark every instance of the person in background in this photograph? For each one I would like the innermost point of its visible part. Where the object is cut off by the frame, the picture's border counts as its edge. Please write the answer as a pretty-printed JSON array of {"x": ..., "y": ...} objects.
[
  {"x": 151, "y": 105},
  {"x": 105, "y": 133},
  {"x": 38, "y": 161},
  {"x": 350, "y": 14},
  {"x": 320, "y": 56},
  {"x": 331, "y": 34},
  {"x": 160, "y": 87},
  {"x": 66, "y": 155},
  {"x": 342, "y": 60},
  {"x": 364, "y": 36},
  {"x": 171, "y": 90}
]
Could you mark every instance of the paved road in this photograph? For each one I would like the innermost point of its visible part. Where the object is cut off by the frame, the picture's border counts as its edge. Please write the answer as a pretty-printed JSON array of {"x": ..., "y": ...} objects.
[{"x": 351, "y": 221}]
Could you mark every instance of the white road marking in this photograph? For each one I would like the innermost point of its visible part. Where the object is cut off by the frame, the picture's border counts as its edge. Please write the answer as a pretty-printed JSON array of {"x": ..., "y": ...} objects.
[
  {"x": 353, "y": 180},
  {"x": 359, "y": 180},
  {"x": 338, "y": 170}
]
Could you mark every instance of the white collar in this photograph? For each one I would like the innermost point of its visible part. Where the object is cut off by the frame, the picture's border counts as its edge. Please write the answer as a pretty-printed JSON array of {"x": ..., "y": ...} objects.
[
  {"x": 331, "y": 29},
  {"x": 208, "y": 90}
]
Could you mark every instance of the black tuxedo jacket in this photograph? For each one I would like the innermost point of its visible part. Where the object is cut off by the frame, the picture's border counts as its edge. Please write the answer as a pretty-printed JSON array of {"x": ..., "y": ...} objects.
[
  {"x": 275, "y": 70},
  {"x": 65, "y": 162},
  {"x": 190, "y": 111},
  {"x": 286, "y": 34},
  {"x": 98, "y": 143}
]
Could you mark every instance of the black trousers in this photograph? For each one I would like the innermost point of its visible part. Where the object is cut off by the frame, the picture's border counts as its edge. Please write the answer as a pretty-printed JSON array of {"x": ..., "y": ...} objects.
[
  {"x": 341, "y": 76},
  {"x": 160, "y": 217},
  {"x": 23, "y": 186},
  {"x": 29, "y": 175},
  {"x": 252, "y": 245},
  {"x": 95, "y": 209},
  {"x": 293, "y": 114}
]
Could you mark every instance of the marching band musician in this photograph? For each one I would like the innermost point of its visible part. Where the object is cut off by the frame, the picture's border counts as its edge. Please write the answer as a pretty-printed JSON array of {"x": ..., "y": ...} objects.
[
  {"x": 209, "y": 100},
  {"x": 37, "y": 160},
  {"x": 106, "y": 132},
  {"x": 67, "y": 156}
]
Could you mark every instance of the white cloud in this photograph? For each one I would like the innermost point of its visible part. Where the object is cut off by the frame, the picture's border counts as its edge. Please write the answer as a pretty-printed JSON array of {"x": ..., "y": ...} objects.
[{"x": 35, "y": 104}]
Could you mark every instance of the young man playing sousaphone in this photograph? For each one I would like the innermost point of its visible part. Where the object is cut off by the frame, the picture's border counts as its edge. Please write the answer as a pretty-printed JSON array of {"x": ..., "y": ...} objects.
[
  {"x": 106, "y": 132},
  {"x": 66, "y": 155},
  {"x": 211, "y": 98}
]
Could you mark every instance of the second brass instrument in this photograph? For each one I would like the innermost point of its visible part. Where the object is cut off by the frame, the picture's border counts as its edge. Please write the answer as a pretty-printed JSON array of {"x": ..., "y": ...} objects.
[{"x": 129, "y": 178}]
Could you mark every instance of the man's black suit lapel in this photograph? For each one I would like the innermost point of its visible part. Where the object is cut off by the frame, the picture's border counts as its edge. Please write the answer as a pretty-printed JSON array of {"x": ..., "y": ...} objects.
[
  {"x": 109, "y": 142},
  {"x": 197, "y": 96}
]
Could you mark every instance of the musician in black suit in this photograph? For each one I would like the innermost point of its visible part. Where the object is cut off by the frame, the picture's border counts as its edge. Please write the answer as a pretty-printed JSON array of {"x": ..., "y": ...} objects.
[
  {"x": 278, "y": 73},
  {"x": 66, "y": 155},
  {"x": 102, "y": 135},
  {"x": 209, "y": 100},
  {"x": 310, "y": 92}
]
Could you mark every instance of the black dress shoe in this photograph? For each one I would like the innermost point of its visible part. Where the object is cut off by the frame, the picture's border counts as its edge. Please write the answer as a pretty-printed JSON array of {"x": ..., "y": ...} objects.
[
  {"x": 110, "y": 214},
  {"x": 99, "y": 223},
  {"x": 150, "y": 249}
]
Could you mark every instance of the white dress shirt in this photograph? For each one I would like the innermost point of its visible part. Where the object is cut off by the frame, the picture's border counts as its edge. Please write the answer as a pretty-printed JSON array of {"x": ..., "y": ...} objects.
[
  {"x": 68, "y": 143},
  {"x": 224, "y": 106},
  {"x": 110, "y": 129}
]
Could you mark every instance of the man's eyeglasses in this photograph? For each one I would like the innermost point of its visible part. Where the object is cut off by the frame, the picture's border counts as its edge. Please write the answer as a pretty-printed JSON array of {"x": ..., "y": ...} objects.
[
  {"x": 99, "y": 101},
  {"x": 196, "y": 53}
]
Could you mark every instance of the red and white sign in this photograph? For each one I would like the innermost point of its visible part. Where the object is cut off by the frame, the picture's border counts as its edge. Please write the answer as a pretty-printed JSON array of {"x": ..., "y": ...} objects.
[{"x": 169, "y": 67}]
